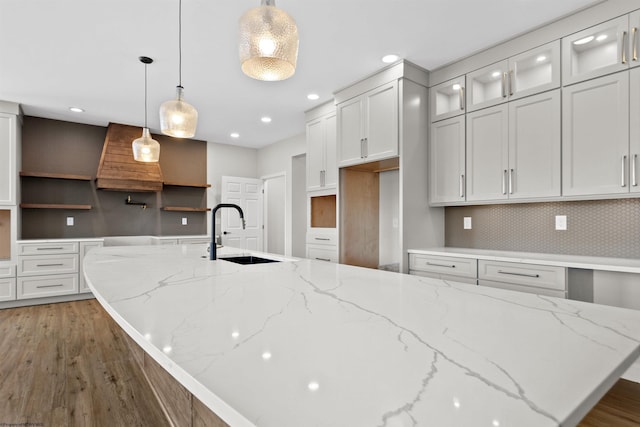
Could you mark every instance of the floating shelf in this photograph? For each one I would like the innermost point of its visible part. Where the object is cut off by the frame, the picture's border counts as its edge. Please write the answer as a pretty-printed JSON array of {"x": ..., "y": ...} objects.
[
  {"x": 53, "y": 206},
  {"x": 184, "y": 209},
  {"x": 186, "y": 184},
  {"x": 56, "y": 175}
]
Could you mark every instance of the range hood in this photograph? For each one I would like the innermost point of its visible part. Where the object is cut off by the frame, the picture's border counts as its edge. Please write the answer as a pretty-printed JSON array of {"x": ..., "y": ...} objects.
[{"x": 117, "y": 169}]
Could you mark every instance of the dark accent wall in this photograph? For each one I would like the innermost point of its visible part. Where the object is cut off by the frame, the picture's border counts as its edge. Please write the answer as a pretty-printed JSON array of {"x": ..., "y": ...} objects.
[
  {"x": 54, "y": 146},
  {"x": 594, "y": 228}
]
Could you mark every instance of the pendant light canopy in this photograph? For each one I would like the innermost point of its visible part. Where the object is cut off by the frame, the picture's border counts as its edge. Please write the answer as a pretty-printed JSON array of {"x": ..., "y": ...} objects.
[
  {"x": 268, "y": 43},
  {"x": 178, "y": 118},
  {"x": 145, "y": 148}
]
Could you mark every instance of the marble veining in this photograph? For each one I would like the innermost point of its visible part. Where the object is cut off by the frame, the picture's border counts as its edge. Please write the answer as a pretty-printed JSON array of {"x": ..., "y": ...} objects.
[{"x": 310, "y": 343}]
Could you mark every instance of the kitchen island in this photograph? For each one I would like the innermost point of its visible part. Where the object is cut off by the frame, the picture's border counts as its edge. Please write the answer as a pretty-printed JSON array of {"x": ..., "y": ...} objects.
[{"x": 310, "y": 343}]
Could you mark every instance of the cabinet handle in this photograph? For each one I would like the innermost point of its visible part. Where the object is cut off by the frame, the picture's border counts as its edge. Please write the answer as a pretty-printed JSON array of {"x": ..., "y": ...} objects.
[
  {"x": 366, "y": 148},
  {"x": 518, "y": 274},
  {"x": 362, "y": 148},
  {"x": 624, "y": 47},
  {"x": 323, "y": 259},
  {"x": 623, "y": 182},
  {"x": 50, "y": 265},
  {"x": 504, "y": 182},
  {"x": 634, "y": 45},
  {"x": 49, "y": 286},
  {"x": 504, "y": 85},
  {"x": 49, "y": 249},
  {"x": 441, "y": 265},
  {"x": 511, "y": 83},
  {"x": 322, "y": 238},
  {"x": 461, "y": 186},
  {"x": 634, "y": 180},
  {"x": 510, "y": 181},
  {"x": 461, "y": 97}
]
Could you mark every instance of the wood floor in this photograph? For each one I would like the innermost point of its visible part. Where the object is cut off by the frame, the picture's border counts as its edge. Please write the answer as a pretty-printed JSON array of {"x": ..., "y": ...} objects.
[{"x": 68, "y": 365}]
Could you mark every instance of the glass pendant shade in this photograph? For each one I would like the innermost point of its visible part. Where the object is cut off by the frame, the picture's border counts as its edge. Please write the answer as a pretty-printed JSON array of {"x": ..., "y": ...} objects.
[
  {"x": 178, "y": 118},
  {"x": 145, "y": 148},
  {"x": 268, "y": 43}
]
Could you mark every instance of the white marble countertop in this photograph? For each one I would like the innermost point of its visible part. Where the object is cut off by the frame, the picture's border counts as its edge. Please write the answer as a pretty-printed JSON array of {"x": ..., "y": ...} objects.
[
  {"x": 310, "y": 343},
  {"x": 623, "y": 265}
]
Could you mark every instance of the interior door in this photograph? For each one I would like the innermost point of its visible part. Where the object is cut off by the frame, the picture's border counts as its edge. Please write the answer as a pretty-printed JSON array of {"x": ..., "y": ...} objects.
[{"x": 246, "y": 193}]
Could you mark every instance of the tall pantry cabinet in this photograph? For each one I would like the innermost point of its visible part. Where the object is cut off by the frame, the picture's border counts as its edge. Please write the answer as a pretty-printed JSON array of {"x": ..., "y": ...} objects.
[{"x": 10, "y": 136}]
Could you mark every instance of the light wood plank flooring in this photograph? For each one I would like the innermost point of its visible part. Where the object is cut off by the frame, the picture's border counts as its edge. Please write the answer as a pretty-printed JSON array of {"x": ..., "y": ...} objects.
[{"x": 67, "y": 364}]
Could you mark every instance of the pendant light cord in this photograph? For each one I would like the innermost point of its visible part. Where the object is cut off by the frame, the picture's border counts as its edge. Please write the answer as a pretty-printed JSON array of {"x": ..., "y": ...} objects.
[
  {"x": 180, "y": 43},
  {"x": 145, "y": 95}
]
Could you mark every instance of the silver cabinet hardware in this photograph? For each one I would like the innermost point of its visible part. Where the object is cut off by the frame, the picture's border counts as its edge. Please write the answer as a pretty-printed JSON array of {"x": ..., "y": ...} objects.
[
  {"x": 461, "y": 186},
  {"x": 511, "y": 83},
  {"x": 504, "y": 182},
  {"x": 50, "y": 265},
  {"x": 504, "y": 85},
  {"x": 322, "y": 238},
  {"x": 461, "y": 97},
  {"x": 623, "y": 182},
  {"x": 634, "y": 180},
  {"x": 50, "y": 286},
  {"x": 510, "y": 181},
  {"x": 518, "y": 274},
  {"x": 49, "y": 249},
  {"x": 624, "y": 47},
  {"x": 323, "y": 259},
  {"x": 441, "y": 265},
  {"x": 634, "y": 44},
  {"x": 362, "y": 148},
  {"x": 366, "y": 148}
]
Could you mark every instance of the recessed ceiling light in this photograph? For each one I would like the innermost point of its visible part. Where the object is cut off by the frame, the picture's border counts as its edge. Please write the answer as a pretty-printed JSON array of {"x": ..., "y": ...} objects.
[
  {"x": 235, "y": 135},
  {"x": 601, "y": 37},
  {"x": 495, "y": 74},
  {"x": 313, "y": 96},
  {"x": 76, "y": 109},
  {"x": 388, "y": 59},
  {"x": 584, "y": 40},
  {"x": 541, "y": 58},
  {"x": 266, "y": 119},
  {"x": 456, "y": 87}
]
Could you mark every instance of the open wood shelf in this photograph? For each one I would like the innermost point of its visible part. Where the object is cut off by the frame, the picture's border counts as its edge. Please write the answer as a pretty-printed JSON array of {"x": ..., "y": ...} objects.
[
  {"x": 56, "y": 175},
  {"x": 187, "y": 184},
  {"x": 184, "y": 209},
  {"x": 53, "y": 206}
]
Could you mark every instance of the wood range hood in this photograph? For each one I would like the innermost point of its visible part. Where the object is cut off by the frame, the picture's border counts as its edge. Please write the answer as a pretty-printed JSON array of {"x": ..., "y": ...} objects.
[{"x": 117, "y": 169}]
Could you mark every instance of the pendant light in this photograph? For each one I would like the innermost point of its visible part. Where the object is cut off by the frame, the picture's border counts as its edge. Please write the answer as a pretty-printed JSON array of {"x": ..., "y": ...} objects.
[
  {"x": 178, "y": 118},
  {"x": 268, "y": 43},
  {"x": 145, "y": 148}
]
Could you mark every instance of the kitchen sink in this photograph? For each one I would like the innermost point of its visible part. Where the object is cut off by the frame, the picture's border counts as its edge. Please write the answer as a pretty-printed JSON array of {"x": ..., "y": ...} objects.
[{"x": 248, "y": 259}]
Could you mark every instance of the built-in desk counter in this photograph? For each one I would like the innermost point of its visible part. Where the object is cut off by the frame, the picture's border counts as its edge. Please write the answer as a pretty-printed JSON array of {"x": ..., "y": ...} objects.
[{"x": 305, "y": 342}]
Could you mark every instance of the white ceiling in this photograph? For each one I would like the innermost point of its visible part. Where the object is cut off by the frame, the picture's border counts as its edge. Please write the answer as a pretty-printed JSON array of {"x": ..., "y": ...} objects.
[{"x": 55, "y": 54}]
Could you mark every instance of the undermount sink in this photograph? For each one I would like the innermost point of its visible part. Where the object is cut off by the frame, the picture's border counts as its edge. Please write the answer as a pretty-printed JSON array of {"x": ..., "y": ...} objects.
[{"x": 248, "y": 259}]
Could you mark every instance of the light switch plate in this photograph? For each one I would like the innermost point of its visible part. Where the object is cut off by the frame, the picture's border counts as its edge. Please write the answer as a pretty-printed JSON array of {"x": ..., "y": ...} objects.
[
  {"x": 561, "y": 222},
  {"x": 184, "y": 221},
  {"x": 69, "y": 221},
  {"x": 467, "y": 223}
]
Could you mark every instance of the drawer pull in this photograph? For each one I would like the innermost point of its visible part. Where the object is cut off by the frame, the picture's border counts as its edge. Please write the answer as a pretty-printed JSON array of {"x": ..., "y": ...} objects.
[
  {"x": 50, "y": 265},
  {"x": 518, "y": 274},
  {"x": 323, "y": 259},
  {"x": 322, "y": 238},
  {"x": 49, "y": 249},
  {"x": 50, "y": 286},
  {"x": 441, "y": 265}
]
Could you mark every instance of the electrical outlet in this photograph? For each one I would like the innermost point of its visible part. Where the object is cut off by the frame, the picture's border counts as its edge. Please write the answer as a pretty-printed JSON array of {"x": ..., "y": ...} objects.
[
  {"x": 561, "y": 222},
  {"x": 184, "y": 221},
  {"x": 69, "y": 221},
  {"x": 467, "y": 223}
]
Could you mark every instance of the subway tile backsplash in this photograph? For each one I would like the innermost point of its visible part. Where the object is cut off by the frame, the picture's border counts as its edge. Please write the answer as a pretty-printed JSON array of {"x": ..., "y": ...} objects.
[{"x": 594, "y": 227}]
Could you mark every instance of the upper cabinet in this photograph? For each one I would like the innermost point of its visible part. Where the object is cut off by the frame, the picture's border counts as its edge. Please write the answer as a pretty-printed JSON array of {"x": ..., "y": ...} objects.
[
  {"x": 528, "y": 73},
  {"x": 447, "y": 161},
  {"x": 602, "y": 49},
  {"x": 448, "y": 99},
  {"x": 368, "y": 126},
  {"x": 9, "y": 145},
  {"x": 322, "y": 170}
]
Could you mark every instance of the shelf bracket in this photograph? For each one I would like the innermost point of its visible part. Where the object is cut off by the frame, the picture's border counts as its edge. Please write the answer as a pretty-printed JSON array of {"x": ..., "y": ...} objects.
[{"x": 128, "y": 201}]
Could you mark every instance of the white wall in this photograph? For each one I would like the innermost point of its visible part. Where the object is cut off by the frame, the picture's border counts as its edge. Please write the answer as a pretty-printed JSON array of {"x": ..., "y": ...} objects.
[
  {"x": 299, "y": 206},
  {"x": 274, "y": 195}
]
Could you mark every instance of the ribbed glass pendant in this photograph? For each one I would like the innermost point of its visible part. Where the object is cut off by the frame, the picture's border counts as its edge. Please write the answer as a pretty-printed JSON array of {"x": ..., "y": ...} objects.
[
  {"x": 268, "y": 43},
  {"x": 145, "y": 148},
  {"x": 178, "y": 118}
]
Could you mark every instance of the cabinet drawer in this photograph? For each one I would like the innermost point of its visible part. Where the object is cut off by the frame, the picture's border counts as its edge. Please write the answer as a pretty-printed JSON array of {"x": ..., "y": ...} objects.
[
  {"x": 322, "y": 239},
  {"x": 39, "y": 286},
  {"x": 329, "y": 254},
  {"x": 7, "y": 289},
  {"x": 194, "y": 241},
  {"x": 522, "y": 288},
  {"x": 541, "y": 276},
  {"x": 7, "y": 271},
  {"x": 50, "y": 264},
  {"x": 465, "y": 267},
  {"x": 47, "y": 248},
  {"x": 447, "y": 277}
]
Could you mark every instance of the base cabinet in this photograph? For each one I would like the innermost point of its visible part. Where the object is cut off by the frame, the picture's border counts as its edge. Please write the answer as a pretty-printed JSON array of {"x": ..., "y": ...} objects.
[
  {"x": 8, "y": 288},
  {"x": 322, "y": 245}
]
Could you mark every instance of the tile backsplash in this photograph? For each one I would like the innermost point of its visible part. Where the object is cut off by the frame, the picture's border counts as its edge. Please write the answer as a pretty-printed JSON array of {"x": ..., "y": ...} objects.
[{"x": 594, "y": 227}]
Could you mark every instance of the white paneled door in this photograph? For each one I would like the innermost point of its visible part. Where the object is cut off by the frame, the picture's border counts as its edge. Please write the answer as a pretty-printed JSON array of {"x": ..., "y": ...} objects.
[{"x": 246, "y": 193}]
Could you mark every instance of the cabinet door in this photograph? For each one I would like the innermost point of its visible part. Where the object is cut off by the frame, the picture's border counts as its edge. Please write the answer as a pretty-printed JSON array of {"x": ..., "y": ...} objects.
[
  {"x": 596, "y": 51},
  {"x": 595, "y": 136},
  {"x": 634, "y": 39},
  {"x": 634, "y": 130},
  {"x": 85, "y": 247},
  {"x": 487, "y": 155},
  {"x": 534, "y": 71},
  {"x": 487, "y": 86},
  {"x": 447, "y": 99},
  {"x": 534, "y": 146},
  {"x": 330, "y": 162},
  {"x": 350, "y": 129},
  {"x": 315, "y": 154},
  {"x": 381, "y": 122},
  {"x": 447, "y": 158},
  {"x": 8, "y": 173}
]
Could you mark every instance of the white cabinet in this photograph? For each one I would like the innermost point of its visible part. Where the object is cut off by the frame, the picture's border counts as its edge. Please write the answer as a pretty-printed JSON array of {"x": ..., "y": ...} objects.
[
  {"x": 368, "y": 126},
  {"x": 7, "y": 282},
  {"x": 530, "y": 278},
  {"x": 513, "y": 150},
  {"x": 322, "y": 169},
  {"x": 528, "y": 73},
  {"x": 10, "y": 119},
  {"x": 602, "y": 49},
  {"x": 447, "y": 99},
  {"x": 595, "y": 136},
  {"x": 322, "y": 245},
  {"x": 447, "y": 161},
  {"x": 85, "y": 247},
  {"x": 464, "y": 270}
]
